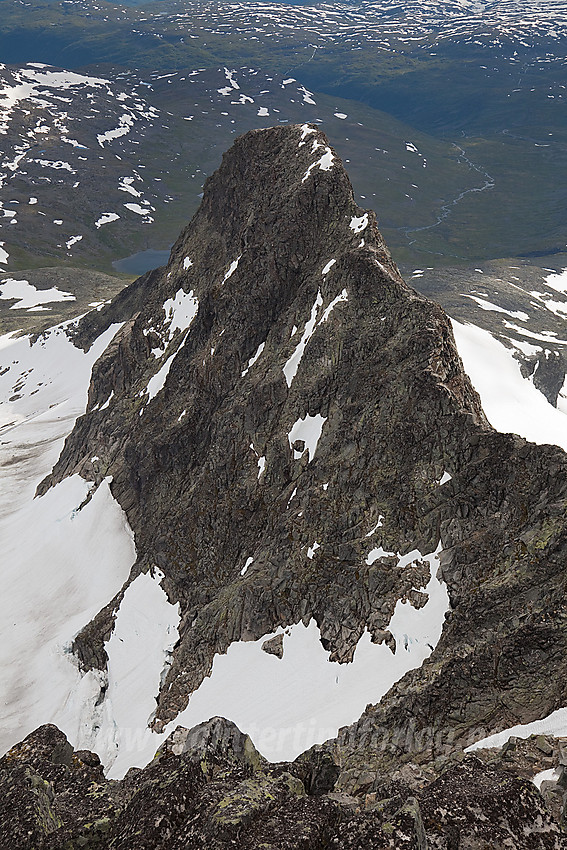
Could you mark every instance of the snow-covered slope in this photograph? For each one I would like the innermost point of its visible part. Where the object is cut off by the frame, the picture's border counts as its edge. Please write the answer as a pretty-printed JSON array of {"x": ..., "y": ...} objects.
[
  {"x": 284, "y": 704},
  {"x": 60, "y": 562}
]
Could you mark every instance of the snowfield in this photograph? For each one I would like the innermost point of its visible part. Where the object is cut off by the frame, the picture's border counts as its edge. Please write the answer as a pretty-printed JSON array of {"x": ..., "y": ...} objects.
[
  {"x": 511, "y": 402},
  {"x": 60, "y": 565},
  {"x": 286, "y": 705}
]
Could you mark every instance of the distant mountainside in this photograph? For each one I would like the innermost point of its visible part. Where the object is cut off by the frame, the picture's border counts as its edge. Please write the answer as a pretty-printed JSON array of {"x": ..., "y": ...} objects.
[
  {"x": 330, "y": 546},
  {"x": 476, "y": 88}
]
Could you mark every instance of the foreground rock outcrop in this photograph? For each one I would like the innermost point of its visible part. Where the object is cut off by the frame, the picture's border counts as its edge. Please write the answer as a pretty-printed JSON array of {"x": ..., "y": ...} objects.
[
  {"x": 211, "y": 788},
  {"x": 278, "y": 386}
]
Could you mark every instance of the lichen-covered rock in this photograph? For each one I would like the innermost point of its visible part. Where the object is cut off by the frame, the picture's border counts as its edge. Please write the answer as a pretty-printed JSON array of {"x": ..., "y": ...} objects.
[
  {"x": 50, "y": 793},
  {"x": 204, "y": 790},
  {"x": 274, "y": 646}
]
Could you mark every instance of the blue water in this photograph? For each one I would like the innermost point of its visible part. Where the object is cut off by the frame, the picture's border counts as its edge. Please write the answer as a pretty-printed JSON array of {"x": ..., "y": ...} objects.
[{"x": 141, "y": 262}]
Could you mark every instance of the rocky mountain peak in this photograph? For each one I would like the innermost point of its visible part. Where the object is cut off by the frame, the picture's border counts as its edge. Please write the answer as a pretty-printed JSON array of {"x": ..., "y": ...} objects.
[
  {"x": 301, "y": 457},
  {"x": 276, "y": 384}
]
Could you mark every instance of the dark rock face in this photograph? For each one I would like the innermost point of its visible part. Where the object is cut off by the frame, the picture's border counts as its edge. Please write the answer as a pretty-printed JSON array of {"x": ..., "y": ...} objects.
[
  {"x": 226, "y": 501},
  {"x": 548, "y": 371}
]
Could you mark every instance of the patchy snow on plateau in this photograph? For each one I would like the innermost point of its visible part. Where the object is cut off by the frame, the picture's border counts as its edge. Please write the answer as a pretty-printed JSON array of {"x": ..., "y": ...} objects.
[
  {"x": 558, "y": 281},
  {"x": 125, "y": 124},
  {"x": 28, "y": 296},
  {"x": 106, "y": 218}
]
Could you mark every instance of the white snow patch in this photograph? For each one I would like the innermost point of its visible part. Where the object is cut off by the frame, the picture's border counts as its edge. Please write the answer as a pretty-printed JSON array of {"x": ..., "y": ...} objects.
[
  {"x": 59, "y": 165},
  {"x": 359, "y": 224},
  {"x": 180, "y": 311},
  {"x": 108, "y": 400},
  {"x": 125, "y": 124},
  {"x": 292, "y": 365},
  {"x": 231, "y": 269},
  {"x": 324, "y": 162},
  {"x": 378, "y": 525},
  {"x": 136, "y": 208},
  {"x": 342, "y": 296},
  {"x": 309, "y": 430},
  {"x": 253, "y": 359},
  {"x": 230, "y": 77},
  {"x": 157, "y": 381},
  {"x": 30, "y": 297},
  {"x": 445, "y": 478},
  {"x": 554, "y": 724},
  {"x": 328, "y": 266},
  {"x": 244, "y": 570},
  {"x": 307, "y": 95},
  {"x": 305, "y": 131},
  {"x": 376, "y": 553},
  {"x": 106, "y": 218},
  {"x": 488, "y": 305},
  {"x": 287, "y": 705},
  {"x": 73, "y": 241},
  {"x": 125, "y": 185},
  {"x": 550, "y": 775},
  {"x": 60, "y": 566},
  {"x": 139, "y": 652},
  {"x": 187, "y": 263},
  {"x": 558, "y": 281},
  {"x": 312, "y": 549},
  {"x": 261, "y": 465}
]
